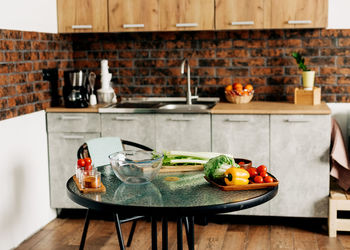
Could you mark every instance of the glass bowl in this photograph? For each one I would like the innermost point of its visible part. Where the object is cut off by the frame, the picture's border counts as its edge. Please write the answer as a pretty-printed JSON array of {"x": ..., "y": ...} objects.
[{"x": 136, "y": 166}]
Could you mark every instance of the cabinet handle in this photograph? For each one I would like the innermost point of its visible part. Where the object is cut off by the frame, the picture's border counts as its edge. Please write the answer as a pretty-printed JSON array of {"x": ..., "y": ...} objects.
[
  {"x": 296, "y": 120},
  {"x": 299, "y": 22},
  {"x": 70, "y": 117},
  {"x": 72, "y": 137},
  {"x": 128, "y": 26},
  {"x": 88, "y": 26},
  {"x": 186, "y": 25},
  {"x": 181, "y": 119},
  {"x": 235, "y": 120},
  {"x": 242, "y": 23},
  {"x": 125, "y": 118}
]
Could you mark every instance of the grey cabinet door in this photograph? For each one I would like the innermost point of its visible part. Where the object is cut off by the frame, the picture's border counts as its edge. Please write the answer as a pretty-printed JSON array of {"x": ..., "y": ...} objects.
[
  {"x": 73, "y": 122},
  {"x": 243, "y": 136},
  {"x": 299, "y": 159},
  {"x": 186, "y": 132},
  {"x": 138, "y": 128},
  {"x": 63, "y": 149}
]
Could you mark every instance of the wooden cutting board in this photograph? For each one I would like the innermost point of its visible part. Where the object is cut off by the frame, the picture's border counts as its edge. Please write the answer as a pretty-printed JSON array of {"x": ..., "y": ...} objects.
[{"x": 179, "y": 168}]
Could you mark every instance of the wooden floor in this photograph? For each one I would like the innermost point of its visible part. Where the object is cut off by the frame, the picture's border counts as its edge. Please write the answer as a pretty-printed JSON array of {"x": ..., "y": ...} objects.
[{"x": 234, "y": 233}]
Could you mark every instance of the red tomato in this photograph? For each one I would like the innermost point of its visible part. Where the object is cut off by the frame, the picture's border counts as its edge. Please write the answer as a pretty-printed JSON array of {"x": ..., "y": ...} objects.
[
  {"x": 88, "y": 167},
  {"x": 263, "y": 174},
  {"x": 81, "y": 163},
  {"x": 241, "y": 163},
  {"x": 258, "y": 179},
  {"x": 87, "y": 161},
  {"x": 252, "y": 172},
  {"x": 268, "y": 179},
  {"x": 262, "y": 168}
]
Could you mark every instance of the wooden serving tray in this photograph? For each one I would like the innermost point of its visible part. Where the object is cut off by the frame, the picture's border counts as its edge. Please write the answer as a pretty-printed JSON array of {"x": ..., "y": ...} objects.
[
  {"x": 179, "y": 168},
  {"x": 249, "y": 186},
  {"x": 101, "y": 189}
]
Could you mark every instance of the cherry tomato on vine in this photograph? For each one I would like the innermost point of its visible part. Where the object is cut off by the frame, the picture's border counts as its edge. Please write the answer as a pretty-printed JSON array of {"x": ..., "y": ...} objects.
[
  {"x": 87, "y": 161},
  {"x": 263, "y": 174},
  {"x": 252, "y": 172},
  {"x": 268, "y": 179},
  {"x": 81, "y": 163},
  {"x": 262, "y": 168},
  {"x": 258, "y": 179}
]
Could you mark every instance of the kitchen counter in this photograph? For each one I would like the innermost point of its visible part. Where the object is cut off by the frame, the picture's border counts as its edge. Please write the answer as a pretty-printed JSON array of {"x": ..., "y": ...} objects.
[
  {"x": 278, "y": 108},
  {"x": 230, "y": 108}
]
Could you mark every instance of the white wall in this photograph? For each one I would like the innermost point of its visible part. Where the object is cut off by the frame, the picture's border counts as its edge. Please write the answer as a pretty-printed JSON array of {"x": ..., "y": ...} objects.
[
  {"x": 29, "y": 15},
  {"x": 24, "y": 185},
  {"x": 338, "y": 14}
]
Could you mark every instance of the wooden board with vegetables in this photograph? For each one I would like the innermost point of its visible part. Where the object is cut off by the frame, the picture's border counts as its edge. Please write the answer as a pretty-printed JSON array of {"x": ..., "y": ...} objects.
[{"x": 223, "y": 172}]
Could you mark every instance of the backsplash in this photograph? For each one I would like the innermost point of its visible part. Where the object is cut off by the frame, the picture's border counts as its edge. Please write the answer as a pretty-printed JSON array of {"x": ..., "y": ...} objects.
[
  {"x": 148, "y": 64},
  {"x": 23, "y": 55}
]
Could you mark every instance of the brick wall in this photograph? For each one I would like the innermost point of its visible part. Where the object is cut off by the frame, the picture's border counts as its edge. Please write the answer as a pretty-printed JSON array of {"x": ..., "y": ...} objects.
[
  {"x": 148, "y": 64},
  {"x": 23, "y": 55}
]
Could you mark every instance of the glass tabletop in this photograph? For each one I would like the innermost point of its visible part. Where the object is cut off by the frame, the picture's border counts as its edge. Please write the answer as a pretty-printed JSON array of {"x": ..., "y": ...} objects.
[{"x": 185, "y": 193}]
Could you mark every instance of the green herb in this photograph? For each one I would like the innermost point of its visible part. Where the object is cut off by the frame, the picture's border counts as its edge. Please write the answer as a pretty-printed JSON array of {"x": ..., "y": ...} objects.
[
  {"x": 173, "y": 158},
  {"x": 300, "y": 61}
]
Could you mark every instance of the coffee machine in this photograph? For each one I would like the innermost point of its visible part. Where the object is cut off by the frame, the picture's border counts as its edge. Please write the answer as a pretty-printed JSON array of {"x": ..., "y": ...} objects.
[{"x": 75, "y": 92}]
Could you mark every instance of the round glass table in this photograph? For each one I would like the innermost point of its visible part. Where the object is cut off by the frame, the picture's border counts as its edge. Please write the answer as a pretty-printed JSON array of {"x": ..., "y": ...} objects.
[{"x": 183, "y": 195}]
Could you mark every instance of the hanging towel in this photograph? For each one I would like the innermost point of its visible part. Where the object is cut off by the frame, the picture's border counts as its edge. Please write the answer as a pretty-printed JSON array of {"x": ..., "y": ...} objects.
[
  {"x": 340, "y": 167},
  {"x": 101, "y": 148}
]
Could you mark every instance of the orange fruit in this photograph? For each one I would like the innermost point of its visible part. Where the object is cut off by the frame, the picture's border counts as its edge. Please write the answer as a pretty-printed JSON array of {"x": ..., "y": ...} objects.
[
  {"x": 245, "y": 93},
  {"x": 228, "y": 88},
  {"x": 237, "y": 86},
  {"x": 249, "y": 87}
]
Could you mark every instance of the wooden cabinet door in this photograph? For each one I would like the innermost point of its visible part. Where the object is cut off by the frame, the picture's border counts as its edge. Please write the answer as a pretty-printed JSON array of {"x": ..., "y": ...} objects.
[
  {"x": 186, "y": 15},
  {"x": 133, "y": 15},
  {"x": 300, "y": 161},
  {"x": 238, "y": 14},
  {"x": 185, "y": 132},
  {"x": 243, "y": 136},
  {"x": 298, "y": 14},
  {"x": 82, "y": 16}
]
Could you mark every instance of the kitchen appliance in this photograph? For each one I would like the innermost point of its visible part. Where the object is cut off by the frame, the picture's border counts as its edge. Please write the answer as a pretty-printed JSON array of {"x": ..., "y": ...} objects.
[{"x": 75, "y": 92}]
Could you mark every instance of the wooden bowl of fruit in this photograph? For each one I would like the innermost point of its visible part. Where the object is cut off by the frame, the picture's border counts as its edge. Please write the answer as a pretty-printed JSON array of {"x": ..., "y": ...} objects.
[
  {"x": 244, "y": 163},
  {"x": 238, "y": 94}
]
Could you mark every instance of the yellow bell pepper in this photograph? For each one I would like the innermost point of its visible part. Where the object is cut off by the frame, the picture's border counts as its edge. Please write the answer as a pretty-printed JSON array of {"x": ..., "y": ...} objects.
[{"x": 236, "y": 176}]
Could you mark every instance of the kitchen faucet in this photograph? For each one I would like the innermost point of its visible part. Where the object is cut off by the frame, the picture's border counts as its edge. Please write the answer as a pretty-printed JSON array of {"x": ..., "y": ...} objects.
[{"x": 189, "y": 96}]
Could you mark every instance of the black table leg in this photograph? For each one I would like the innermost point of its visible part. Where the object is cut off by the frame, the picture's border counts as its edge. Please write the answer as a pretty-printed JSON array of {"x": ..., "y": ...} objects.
[
  {"x": 131, "y": 234},
  {"x": 179, "y": 233},
  {"x": 119, "y": 231},
  {"x": 86, "y": 226},
  {"x": 154, "y": 233},
  {"x": 190, "y": 234},
  {"x": 165, "y": 233}
]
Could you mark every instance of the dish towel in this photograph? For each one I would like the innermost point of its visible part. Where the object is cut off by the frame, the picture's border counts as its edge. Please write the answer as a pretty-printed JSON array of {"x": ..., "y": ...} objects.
[
  {"x": 340, "y": 167},
  {"x": 101, "y": 148}
]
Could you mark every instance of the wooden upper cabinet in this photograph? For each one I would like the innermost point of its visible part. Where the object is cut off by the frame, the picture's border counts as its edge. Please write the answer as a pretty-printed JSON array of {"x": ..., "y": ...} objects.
[
  {"x": 299, "y": 14},
  {"x": 82, "y": 16},
  {"x": 238, "y": 14},
  {"x": 186, "y": 15},
  {"x": 133, "y": 15}
]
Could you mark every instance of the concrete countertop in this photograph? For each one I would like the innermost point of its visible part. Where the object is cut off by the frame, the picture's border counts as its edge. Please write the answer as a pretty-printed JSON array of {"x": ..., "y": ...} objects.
[{"x": 230, "y": 108}]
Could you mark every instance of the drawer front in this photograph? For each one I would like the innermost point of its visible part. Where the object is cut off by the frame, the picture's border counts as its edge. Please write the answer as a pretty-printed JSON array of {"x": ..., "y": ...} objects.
[
  {"x": 73, "y": 122},
  {"x": 138, "y": 128},
  {"x": 185, "y": 132}
]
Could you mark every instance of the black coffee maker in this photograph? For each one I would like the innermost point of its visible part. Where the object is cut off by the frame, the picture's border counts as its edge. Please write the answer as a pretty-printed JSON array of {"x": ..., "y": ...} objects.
[{"x": 75, "y": 93}]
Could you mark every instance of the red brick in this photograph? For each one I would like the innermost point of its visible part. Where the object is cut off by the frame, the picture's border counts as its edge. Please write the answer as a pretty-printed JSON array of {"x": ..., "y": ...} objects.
[
  {"x": 329, "y": 80},
  {"x": 344, "y": 80},
  {"x": 222, "y": 44},
  {"x": 325, "y": 42},
  {"x": 248, "y": 62},
  {"x": 252, "y": 80},
  {"x": 285, "y": 43},
  {"x": 7, "y": 45},
  {"x": 17, "y": 78},
  {"x": 3, "y": 79},
  {"x": 30, "y": 35},
  {"x": 249, "y": 44},
  {"x": 13, "y": 56},
  {"x": 23, "y": 45},
  {"x": 214, "y": 62},
  {"x": 266, "y": 71},
  {"x": 22, "y": 67},
  {"x": 199, "y": 54},
  {"x": 33, "y": 77},
  {"x": 261, "y": 52},
  {"x": 202, "y": 71},
  {"x": 29, "y": 108},
  {"x": 39, "y": 45},
  {"x": 231, "y": 72},
  {"x": 344, "y": 42},
  {"x": 172, "y": 45},
  {"x": 328, "y": 70},
  {"x": 11, "y": 34},
  {"x": 230, "y": 53}
]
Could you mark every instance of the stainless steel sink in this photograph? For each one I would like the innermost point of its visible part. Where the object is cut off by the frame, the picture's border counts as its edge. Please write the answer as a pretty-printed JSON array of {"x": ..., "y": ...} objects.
[
  {"x": 161, "y": 105},
  {"x": 186, "y": 107}
]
